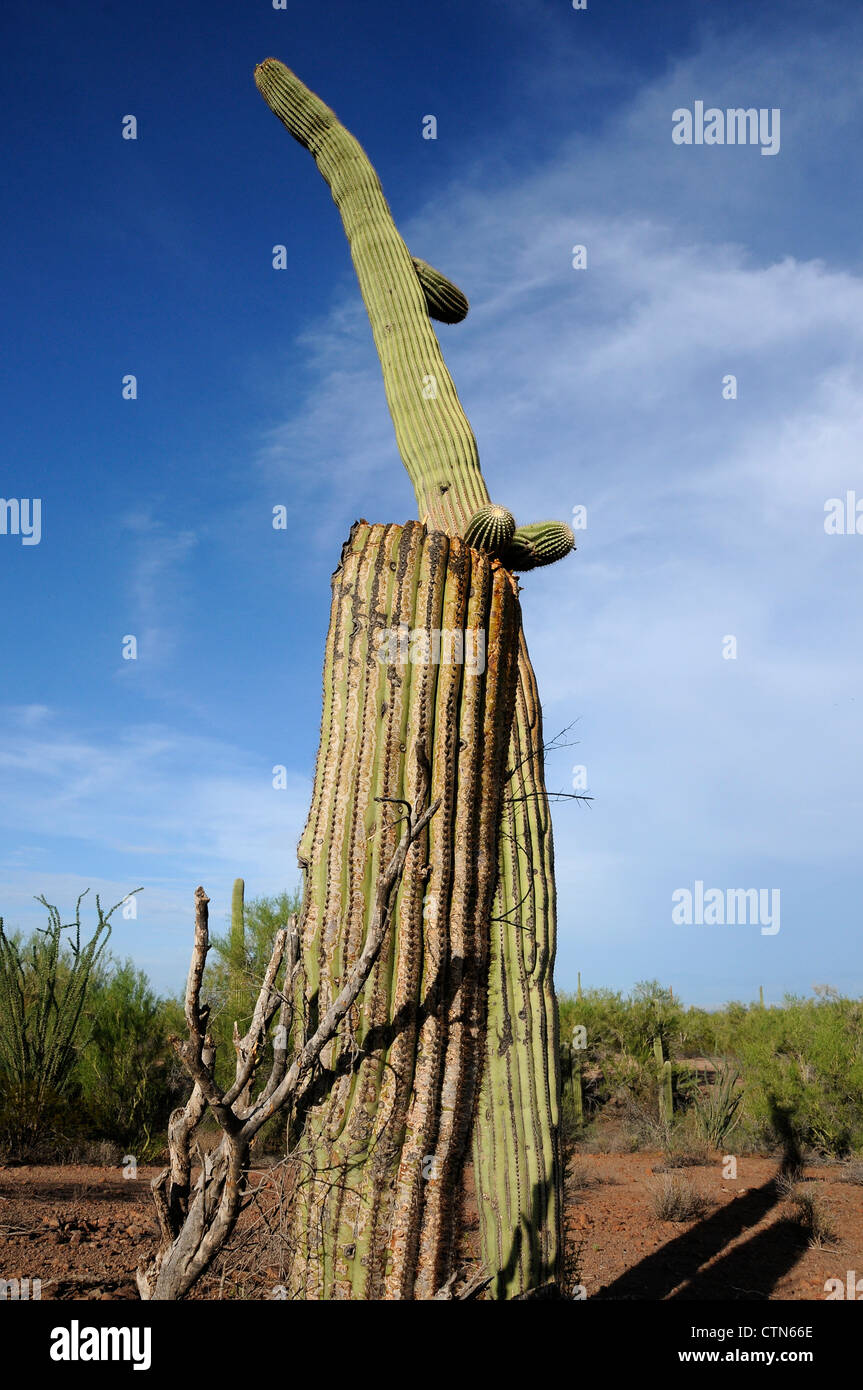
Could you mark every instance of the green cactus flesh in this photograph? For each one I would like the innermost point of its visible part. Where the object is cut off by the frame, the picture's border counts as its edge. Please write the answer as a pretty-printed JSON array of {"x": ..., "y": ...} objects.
[
  {"x": 490, "y": 529},
  {"x": 666, "y": 1085}
]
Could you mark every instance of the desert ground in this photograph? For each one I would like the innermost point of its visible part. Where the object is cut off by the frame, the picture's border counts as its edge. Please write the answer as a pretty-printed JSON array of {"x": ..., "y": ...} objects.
[{"x": 81, "y": 1230}]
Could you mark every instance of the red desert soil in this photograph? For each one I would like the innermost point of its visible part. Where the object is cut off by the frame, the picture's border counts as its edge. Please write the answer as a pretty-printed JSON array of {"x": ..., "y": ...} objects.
[{"x": 82, "y": 1230}]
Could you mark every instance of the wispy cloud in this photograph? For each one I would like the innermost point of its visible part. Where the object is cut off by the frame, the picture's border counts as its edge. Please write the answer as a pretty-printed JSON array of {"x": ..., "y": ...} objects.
[
  {"x": 152, "y": 806},
  {"x": 157, "y": 593}
]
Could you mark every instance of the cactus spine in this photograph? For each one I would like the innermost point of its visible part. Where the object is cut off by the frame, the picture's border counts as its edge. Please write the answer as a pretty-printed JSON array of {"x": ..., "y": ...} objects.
[{"x": 516, "y": 1156}]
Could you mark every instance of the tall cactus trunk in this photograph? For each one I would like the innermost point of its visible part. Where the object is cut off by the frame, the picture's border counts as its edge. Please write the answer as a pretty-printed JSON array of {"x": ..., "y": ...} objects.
[
  {"x": 383, "y": 1140},
  {"x": 498, "y": 916}
]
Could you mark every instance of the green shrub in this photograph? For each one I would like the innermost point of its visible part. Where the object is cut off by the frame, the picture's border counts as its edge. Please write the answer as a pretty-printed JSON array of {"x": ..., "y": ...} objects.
[
  {"x": 126, "y": 1076},
  {"x": 43, "y": 990},
  {"x": 802, "y": 1060}
]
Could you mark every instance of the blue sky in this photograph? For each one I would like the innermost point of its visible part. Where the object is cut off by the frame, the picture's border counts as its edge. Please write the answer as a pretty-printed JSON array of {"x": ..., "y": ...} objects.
[{"x": 600, "y": 387}]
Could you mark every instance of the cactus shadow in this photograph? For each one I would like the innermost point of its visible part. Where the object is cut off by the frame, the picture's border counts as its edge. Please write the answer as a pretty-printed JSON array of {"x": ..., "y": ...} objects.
[{"x": 751, "y": 1269}]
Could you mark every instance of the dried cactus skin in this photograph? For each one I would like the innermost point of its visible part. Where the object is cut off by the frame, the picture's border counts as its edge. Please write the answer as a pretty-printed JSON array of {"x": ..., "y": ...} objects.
[
  {"x": 491, "y": 529},
  {"x": 444, "y": 300},
  {"x": 367, "y": 1222},
  {"x": 433, "y": 435}
]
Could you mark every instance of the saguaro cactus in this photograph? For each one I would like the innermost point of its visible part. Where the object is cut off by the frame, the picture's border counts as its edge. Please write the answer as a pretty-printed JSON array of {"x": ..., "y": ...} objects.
[
  {"x": 238, "y": 944},
  {"x": 511, "y": 939},
  {"x": 666, "y": 1091}
]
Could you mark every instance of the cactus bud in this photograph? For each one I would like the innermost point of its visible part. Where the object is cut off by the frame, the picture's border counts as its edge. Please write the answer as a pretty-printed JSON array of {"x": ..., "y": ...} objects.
[{"x": 490, "y": 529}]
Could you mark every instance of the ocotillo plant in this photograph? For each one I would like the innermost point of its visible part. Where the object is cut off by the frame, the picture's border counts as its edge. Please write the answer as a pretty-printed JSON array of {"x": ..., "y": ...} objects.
[
  {"x": 42, "y": 998},
  {"x": 515, "y": 1122}
]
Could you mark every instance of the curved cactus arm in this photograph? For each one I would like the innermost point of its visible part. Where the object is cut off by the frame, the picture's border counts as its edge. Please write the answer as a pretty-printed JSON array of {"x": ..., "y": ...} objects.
[
  {"x": 541, "y": 543},
  {"x": 444, "y": 300},
  {"x": 433, "y": 434}
]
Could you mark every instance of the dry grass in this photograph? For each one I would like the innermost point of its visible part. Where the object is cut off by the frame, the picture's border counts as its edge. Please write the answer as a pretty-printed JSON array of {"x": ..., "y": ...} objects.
[
  {"x": 815, "y": 1218},
  {"x": 853, "y": 1172},
  {"x": 674, "y": 1198}
]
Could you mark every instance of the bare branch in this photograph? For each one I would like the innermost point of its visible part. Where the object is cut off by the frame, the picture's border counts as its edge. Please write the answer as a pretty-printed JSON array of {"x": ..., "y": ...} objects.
[
  {"x": 357, "y": 976},
  {"x": 248, "y": 1048},
  {"x": 193, "y": 1233}
]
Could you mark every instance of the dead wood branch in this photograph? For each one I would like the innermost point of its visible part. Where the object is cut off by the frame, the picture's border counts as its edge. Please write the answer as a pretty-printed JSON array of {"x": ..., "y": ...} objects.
[{"x": 195, "y": 1228}]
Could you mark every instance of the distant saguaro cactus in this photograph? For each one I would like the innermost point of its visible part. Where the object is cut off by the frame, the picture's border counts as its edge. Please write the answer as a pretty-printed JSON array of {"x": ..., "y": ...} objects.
[
  {"x": 666, "y": 1092},
  {"x": 238, "y": 945},
  {"x": 465, "y": 997}
]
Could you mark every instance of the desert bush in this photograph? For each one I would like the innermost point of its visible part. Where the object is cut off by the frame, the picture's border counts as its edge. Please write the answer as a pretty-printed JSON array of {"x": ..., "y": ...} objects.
[
  {"x": 125, "y": 1074},
  {"x": 804, "y": 1056},
  {"x": 235, "y": 970}
]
